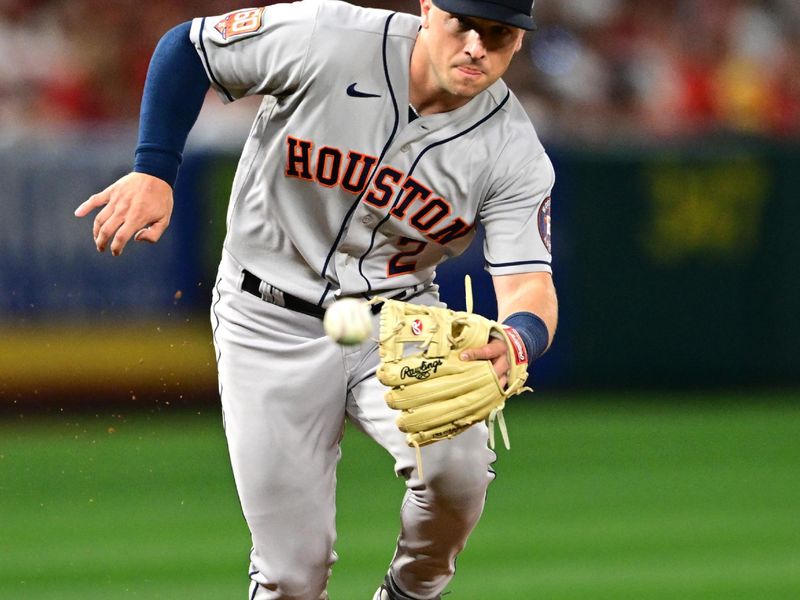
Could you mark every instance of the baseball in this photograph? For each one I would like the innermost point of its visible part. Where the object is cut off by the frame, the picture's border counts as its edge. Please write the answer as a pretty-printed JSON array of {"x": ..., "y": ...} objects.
[{"x": 348, "y": 321}]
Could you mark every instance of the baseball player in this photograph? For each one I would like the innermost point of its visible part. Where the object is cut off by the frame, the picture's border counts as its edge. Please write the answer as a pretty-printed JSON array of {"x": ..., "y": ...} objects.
[{"x": 382, "y": 141}]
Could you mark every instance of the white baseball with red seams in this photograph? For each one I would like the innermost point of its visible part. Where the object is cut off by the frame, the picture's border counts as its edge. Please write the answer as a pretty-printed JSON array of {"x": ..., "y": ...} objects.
[{"x": 348, "y": 321}]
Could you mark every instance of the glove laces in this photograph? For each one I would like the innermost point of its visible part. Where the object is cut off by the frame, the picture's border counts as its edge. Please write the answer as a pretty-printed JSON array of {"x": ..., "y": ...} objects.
[{"x": 496, "y": 416}]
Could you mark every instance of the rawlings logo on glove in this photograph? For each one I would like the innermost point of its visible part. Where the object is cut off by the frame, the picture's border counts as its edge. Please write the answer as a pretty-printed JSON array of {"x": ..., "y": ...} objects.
[
  {"x": 440, "y": 395},
  {"x": 423, "y": 371}
]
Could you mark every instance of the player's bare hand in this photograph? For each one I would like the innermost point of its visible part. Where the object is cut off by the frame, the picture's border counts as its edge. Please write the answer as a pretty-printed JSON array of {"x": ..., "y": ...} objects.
[
  {"x": 495, "y": 351},
  {"x": 136, "y": 206}
]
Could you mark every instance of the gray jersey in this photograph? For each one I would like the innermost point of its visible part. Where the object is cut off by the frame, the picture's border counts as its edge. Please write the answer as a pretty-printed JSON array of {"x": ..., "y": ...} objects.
[{"x": 366, "y": 202}]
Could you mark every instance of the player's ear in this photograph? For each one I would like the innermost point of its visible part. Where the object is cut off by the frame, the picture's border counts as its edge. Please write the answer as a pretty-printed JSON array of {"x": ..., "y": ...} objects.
[
  {"x": 424, "y": 12},
  {"x": 520, "y": 37}
]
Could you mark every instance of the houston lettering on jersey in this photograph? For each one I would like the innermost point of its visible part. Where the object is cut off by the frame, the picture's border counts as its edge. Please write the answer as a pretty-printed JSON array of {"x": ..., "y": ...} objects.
[{"x": 409, "y": 198}]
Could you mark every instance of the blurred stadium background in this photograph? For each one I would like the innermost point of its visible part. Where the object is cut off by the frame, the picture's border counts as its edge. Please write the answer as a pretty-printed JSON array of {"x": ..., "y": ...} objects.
[{"x": 659, "y": 457}]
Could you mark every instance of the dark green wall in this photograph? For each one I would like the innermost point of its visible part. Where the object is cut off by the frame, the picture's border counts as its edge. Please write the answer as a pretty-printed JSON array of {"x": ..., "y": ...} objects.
[{"x": 683, "y": 265}]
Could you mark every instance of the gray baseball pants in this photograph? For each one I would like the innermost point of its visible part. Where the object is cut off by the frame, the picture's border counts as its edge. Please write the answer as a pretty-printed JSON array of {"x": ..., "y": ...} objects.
[{"x": 286, "y": 390}]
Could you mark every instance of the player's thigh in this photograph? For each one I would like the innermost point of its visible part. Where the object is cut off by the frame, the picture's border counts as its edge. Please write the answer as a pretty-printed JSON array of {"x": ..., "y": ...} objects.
[
  {"x": 282, "y": 386},
  {"x": 466, "y": 457}
]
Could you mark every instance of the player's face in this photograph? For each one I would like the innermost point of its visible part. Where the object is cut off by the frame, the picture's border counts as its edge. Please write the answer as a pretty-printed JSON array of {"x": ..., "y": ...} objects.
[{"x": 467, "y": 54}]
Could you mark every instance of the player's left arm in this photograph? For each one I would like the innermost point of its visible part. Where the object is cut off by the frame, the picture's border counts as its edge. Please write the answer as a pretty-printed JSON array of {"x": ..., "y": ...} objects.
[
  {"x": 516, "y": 218},
  {"x": 528, "y": 292},
  {"x": 527, "y": 301}
]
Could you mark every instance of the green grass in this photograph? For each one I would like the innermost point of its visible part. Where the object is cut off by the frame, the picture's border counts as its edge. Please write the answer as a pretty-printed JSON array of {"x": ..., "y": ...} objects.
[{"x": 602, "y": 497}]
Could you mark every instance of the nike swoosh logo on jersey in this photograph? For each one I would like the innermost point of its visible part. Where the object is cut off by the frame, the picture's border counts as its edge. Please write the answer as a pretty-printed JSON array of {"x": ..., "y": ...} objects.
[{"x": 352, "y": 91}]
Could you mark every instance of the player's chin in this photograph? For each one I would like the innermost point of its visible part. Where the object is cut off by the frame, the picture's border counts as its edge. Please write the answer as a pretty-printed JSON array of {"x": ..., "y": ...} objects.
[
  {"x": 467, "y": 89},
  {"x": 469, "y": 86}
]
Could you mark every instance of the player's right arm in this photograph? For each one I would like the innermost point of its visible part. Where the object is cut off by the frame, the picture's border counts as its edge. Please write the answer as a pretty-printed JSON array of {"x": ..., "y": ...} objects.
[
  {"x": 139, "y": 205},
  {"x": 245, "y": 52}
]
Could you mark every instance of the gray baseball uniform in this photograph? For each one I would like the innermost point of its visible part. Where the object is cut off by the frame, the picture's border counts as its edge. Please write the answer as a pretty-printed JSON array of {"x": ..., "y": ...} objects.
[{"x": 338, "y": 193}]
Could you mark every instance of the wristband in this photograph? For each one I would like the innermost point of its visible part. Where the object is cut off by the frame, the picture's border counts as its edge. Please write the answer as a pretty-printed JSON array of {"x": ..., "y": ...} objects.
[{"x": 533, "y": 332}]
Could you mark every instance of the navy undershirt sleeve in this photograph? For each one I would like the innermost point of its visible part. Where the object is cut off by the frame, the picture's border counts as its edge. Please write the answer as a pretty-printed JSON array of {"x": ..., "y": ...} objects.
[{"x": 174, "y": 91}]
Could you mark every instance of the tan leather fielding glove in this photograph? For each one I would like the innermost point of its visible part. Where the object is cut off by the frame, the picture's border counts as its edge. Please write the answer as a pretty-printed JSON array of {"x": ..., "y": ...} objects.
[{"x": 438, "y": 394}]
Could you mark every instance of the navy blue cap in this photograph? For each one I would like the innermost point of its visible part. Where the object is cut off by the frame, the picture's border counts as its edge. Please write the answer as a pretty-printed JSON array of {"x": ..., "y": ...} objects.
[{"x": 516, "y": 13}]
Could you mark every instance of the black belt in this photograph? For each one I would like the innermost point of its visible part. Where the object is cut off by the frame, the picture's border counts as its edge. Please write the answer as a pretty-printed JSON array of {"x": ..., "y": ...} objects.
[{"x": 269, "y": 293}]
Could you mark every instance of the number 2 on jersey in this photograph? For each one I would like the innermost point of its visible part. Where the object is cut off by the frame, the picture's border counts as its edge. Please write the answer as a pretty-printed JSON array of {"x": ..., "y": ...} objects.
[{"x": 396, "y": 264}]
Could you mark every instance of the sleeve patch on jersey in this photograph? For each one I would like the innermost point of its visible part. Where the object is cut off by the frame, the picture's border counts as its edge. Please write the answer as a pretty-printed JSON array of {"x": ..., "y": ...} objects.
[
  {"x": 544, "y": 223},
  {"x": 240, "y": 23}
]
